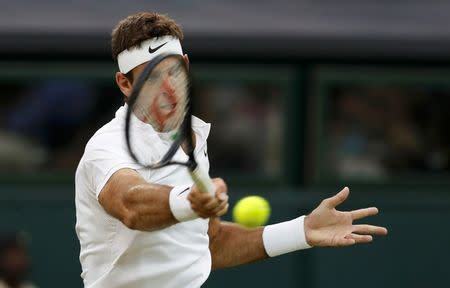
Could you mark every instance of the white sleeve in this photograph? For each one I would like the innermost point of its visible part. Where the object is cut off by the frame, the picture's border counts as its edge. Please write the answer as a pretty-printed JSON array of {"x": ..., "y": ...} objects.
[{"x": 102, "y": 161}]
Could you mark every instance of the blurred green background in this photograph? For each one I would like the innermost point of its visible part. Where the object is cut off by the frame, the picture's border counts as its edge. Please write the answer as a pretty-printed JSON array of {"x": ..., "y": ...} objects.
[{"x": 304, "y": 97}]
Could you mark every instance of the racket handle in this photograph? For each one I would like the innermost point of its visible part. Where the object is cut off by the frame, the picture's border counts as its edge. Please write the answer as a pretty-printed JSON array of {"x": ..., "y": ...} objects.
[{"x": 202, "y": 180}]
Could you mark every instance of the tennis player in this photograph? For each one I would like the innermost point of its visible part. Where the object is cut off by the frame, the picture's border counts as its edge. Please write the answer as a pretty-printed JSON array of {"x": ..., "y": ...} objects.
[{"x": 153, "y": 228}]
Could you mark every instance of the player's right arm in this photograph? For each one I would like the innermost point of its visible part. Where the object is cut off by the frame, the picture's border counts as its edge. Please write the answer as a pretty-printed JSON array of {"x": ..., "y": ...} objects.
[
  {"x": 141, "y": 205},
  {"x": 135, "y": 202}
]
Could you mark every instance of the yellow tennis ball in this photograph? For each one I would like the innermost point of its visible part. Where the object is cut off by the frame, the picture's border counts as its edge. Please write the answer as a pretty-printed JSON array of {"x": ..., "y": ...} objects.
[{"x": 251, "y": 211}]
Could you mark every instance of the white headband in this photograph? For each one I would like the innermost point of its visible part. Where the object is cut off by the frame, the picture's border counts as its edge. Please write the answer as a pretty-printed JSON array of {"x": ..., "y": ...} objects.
[{"x": 149, "y": 49}]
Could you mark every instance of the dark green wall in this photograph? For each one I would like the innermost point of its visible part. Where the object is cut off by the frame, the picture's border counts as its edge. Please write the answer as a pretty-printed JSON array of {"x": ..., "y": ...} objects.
[{"x": 414, "y": 254}]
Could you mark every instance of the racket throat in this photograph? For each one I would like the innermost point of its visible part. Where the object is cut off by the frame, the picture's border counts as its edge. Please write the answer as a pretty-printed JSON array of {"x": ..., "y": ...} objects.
[{"x": 191, "y": 164}]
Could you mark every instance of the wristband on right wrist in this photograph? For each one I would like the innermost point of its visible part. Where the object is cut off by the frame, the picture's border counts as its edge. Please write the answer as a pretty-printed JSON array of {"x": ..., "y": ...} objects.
[
  {"x": 180, "y": 206},
  {"x": 285, "y": 237}
]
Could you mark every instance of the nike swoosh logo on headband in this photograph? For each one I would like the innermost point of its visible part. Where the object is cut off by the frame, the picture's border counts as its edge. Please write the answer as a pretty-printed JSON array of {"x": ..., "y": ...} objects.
[{"x": 153, "y": 50}]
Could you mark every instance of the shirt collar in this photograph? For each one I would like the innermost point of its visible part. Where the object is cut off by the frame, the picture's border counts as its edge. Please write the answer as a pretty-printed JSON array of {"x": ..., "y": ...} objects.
[{"x": 199, "y": 126}]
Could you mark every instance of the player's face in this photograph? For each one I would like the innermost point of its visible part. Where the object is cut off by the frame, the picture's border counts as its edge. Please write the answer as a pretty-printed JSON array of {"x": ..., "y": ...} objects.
[
  {"x": 136, "y": 72},
  {"x": 162, "y": 96},
  {"x": 126, "y": 85}
]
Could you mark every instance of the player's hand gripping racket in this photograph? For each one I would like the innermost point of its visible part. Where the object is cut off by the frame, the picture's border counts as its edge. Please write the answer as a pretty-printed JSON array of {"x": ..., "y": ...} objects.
[{"x": 161, "y": 98}]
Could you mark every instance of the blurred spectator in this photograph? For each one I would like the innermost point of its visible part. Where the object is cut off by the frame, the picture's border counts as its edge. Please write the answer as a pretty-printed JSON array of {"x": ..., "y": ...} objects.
[
  {"x": 44, "y": 122},
  {"x": 246, "y": 111},
  {"x": 18, "y": 153},
  {"x": 51, "y": 110},
  {"x": 380, "y": 131},
  {"x": 354, "y": 150},
  {"x": 14, "y": 263}
]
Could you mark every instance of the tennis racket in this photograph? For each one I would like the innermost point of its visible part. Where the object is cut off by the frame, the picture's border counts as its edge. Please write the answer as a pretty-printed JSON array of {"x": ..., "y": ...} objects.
[{"x": 161, "y": 98}]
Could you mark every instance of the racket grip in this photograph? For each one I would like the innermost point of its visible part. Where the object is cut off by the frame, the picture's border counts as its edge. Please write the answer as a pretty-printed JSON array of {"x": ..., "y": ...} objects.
[{"x": 203, "y": 181}]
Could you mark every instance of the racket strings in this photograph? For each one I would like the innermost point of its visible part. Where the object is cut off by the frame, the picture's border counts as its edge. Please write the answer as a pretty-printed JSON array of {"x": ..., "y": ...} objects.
[
  {"x": 163, "y": 93},
  {"x": 163, "y": 103},
  {"x": 180, "y": 86}
]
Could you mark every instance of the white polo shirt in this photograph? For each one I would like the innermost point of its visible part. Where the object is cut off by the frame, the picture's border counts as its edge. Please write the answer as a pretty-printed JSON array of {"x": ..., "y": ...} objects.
[{"x": 112, "y": 255}]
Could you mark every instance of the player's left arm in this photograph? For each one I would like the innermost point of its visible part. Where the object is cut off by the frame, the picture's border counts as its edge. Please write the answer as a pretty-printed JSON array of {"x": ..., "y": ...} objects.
[{"x": 233, "y": 245}]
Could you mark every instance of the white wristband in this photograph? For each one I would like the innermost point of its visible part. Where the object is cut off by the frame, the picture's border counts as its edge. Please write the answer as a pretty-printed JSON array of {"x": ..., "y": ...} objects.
[
  {"x": 180, "y": 205},
  {"x": 285, "y": 237}
]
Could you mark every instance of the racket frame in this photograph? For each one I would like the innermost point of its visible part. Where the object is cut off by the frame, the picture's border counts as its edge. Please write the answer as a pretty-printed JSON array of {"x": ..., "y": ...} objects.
[{"x": 184, "y": 135}]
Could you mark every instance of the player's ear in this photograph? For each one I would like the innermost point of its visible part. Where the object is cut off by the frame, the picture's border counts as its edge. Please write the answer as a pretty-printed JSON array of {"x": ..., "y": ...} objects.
[
  {"x": 124, "y": 84},
  {"x": 186, "y": 59}
]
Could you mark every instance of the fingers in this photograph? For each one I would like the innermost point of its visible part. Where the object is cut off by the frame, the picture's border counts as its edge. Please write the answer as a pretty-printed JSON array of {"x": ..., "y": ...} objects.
[
  {"x": 345, "y": 242},
  {"x": 337, "y": 199},
  {"x": 362, "y": 213},
  {"x": 214, "y": 202},
  {"x": 198, "y": 198},
  {"x": 353, "y": 239},
  {"x": 212, "y": 208},
  {"x": 221, "y": 187},
  {"x": 206, "y": 205},
  {"x": 221, "y": 210},
  {"x": 369, "y": 229},
  {"x": 360, "y": 238}
]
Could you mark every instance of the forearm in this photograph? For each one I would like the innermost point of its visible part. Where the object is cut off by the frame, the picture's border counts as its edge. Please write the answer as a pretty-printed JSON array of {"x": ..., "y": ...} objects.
[
  {"x": 148, "y": 207},
  {"x": 226, "y": 237},
  {"x": 136, "y": 203},
  {"x": 233, "y": 245}
]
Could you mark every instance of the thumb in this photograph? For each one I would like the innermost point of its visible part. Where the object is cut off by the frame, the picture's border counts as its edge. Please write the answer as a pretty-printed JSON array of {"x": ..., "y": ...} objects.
[{"x": 338, "y": 198}]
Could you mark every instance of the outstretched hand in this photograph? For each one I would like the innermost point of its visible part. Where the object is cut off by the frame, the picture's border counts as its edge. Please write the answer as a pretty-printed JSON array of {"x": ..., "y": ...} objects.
[{"x": 326, "y": 226}]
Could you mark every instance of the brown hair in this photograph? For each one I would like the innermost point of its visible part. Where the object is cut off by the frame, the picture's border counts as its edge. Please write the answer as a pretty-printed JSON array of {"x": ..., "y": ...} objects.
[{"x": 139, "y": 27}]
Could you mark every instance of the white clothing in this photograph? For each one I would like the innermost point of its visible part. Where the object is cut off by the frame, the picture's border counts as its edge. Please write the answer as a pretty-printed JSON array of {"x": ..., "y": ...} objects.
[{"x": 112, "y": 255}]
